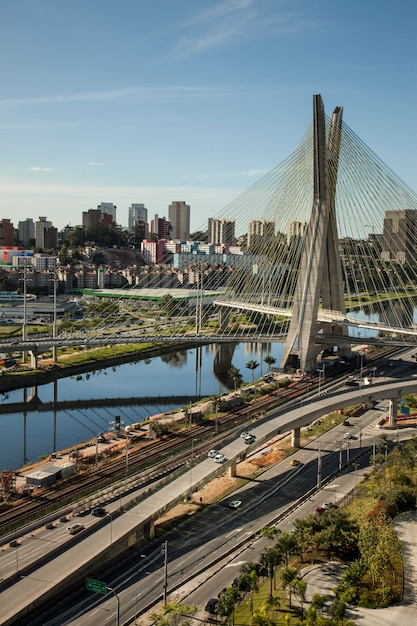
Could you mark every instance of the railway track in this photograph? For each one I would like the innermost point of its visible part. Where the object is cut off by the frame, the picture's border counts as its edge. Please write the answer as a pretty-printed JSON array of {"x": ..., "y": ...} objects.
[{"x": 155, "y": 460}]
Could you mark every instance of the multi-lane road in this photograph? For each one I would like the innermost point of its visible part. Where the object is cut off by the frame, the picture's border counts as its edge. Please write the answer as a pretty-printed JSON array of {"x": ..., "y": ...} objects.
[{"x": 198, "y": 546}]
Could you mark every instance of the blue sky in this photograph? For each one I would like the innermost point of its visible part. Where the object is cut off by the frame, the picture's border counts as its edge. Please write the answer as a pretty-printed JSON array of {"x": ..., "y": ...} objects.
[{"x": 158, "y": 100}]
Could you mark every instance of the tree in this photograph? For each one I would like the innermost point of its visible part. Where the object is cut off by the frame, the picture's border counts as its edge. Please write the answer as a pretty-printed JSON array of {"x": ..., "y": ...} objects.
[
  {"x": 167, "y": 304},
  {"x": 252, "y": 365},
  {"x": 286, "y": 545},
  {"x": 249, "y": 577},
  {"x": 270, "y": 532},
  {"x": 337, "y": 609},
  {"x": 288, "y": 576},
  {"x": 318, "y": 602},
  {"x": 261, "y": 619},
  {"x": 299, "y": 587},
  {"x": 226, "y": 603},
  {"x": 270, "y": 361},
  {"x": 172, "y": 614},
  {"x": 236, "y": 376},
  {"x": 270, "y": 558}
]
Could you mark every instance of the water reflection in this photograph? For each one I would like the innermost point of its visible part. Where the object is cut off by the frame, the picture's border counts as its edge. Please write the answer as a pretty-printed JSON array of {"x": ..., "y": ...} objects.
[{"x": 27, "y": 436}]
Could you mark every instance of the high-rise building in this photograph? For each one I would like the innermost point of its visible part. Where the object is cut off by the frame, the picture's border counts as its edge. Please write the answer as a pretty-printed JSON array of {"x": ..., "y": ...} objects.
[
  {"x": 179, "y": 216},
  {"x": 152, "y": 251},
  {"x": 46, "y": 235},
  {"x": 162, "y": 228},
  {"x": 91, "y": 219},
  {"x": 7, "y": 234},
  {"x": 109, "y": 208},
  {"x": 260, "y": 232},
  {"x": 399, "y": 236},
  {"x": 221, "y": 231},
  {"x": 136, "y": 212},
  {"x": 296, "y": 231},
  {"x": 26, "y": 230}
]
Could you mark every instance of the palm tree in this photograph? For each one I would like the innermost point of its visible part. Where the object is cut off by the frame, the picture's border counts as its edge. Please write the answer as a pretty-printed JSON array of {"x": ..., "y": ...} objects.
[
  {"x": 270, "y": 361},
  {"x": 286, "y": 545},
  {"x": 289, "y": 575},
  {"x": 270, "y": 532},
  {"x": 226, "y": 603},
  {"x": 270, "y": 558},
  {"x": 252, "y": 365},
  {"x": 236, "y": 376},
  {"x": 249, "y": 577}
]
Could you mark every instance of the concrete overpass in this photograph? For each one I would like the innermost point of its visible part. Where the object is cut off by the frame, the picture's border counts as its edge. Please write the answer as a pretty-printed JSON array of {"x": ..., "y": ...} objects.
[{"x": 131, "y": 529}]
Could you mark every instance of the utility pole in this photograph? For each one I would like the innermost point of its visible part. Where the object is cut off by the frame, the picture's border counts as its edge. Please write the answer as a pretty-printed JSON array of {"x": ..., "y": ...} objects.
[
  {"x": 54, "y": 325},
  {"x": 165, "y": 553},
  {"x": 319, "y": 469}
]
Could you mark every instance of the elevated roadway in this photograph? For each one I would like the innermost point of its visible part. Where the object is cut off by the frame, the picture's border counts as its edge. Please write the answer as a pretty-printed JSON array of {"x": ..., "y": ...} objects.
[{"x": 90, "y": 550}]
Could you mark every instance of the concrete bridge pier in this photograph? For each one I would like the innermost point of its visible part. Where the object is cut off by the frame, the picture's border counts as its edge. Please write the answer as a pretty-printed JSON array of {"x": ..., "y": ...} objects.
[
  {"x": 295, "y": 438},
  {"x": 232, "y": 470},
  {"x": 392, "y": 412},
  {"x": 223, "y": 358},
  {"x": 149, "y": 530},
  {"x": 34, "y": 355},
  {"x": 224, "y": 317}
]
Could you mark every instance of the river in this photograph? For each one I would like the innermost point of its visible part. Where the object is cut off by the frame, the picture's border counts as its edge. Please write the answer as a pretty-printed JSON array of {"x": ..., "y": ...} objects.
[{"x": 26, "y": 438}]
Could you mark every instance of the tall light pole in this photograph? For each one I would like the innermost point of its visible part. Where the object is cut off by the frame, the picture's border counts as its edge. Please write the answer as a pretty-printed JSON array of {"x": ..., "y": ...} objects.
[
  {"x": 191, "y": 466},
  {"x": 111, "y": 527},
  {"x": 55, "y": 323},
  {"x": 165, "y": 589},
  {"x": 319, "y": 469},
  {"x": 118, "y": 605}
]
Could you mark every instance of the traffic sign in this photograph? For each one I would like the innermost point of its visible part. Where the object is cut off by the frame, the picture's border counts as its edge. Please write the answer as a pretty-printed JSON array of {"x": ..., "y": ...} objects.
[{"x": 95, "y": 585}]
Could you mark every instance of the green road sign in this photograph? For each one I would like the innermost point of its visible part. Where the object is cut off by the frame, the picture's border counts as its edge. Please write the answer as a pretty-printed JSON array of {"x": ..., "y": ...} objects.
[{"x": 95, "y": 585}]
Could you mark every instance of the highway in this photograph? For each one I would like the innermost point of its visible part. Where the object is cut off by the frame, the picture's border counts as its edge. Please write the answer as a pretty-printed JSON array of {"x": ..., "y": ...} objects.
[
  {"x": 205, "y": 553},
  {"x": 267, "y": 500}
]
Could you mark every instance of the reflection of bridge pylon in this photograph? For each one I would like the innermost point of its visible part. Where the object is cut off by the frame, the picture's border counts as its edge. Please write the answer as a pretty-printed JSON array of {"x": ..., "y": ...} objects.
[{"x": 320, "y": 276}]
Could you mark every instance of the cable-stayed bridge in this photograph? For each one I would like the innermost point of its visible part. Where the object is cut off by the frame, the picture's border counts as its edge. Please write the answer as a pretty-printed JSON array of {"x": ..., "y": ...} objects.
[{"x": 328, "y": 245}]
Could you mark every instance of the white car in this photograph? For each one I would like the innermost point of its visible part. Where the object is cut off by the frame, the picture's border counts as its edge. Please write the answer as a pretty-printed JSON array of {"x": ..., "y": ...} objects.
[
  {"x": 219, "y": 458},
  {"x": 249, "y": 439},
  {"x": 245, "y": 434},
  {"x": 327, "y": 505},
  {"x": 212, "y": 453},
  {"x": 348, "y": 436},
  {"x": 235, "y": 504},
  {"x": 75, "y": 528}
]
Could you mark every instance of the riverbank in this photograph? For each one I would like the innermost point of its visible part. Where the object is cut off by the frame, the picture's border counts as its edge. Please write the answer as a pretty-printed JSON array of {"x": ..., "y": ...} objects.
[{"x": 48, "y": 371}]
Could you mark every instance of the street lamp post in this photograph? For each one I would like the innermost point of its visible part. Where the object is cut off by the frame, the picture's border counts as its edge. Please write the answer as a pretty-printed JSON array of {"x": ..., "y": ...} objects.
[
  {"x": 118, "y": 605},
  {"x": 111, "y": 527},
  {"x": 339, "y": 444},
  {"x": 165, "y": 589},
  {"x": 191, "y": 465},
  {"x": 319, "y": 468}
]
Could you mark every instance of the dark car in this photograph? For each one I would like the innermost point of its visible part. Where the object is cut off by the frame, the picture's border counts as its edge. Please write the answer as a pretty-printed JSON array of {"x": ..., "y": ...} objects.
[
  {"x": 98, "y": 511},
  {"x": 211, "y": 606}
]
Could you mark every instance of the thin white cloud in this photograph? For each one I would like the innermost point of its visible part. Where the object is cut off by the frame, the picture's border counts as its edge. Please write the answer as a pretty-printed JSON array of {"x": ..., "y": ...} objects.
[
  {"x": 96, "y": 163},
  {"x": 41, "y": 169},
  {"x": 144, "y": 93},
  {"x": 237, "y": 20},
  {"x": 224, "y": 175}
]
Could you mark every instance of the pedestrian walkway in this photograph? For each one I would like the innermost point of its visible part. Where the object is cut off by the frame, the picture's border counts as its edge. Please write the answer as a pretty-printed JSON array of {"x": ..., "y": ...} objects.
[{"x": 323, "y": 579}]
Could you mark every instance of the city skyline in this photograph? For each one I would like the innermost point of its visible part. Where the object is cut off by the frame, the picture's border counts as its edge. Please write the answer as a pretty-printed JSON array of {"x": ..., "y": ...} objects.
[{"x": 130, "y": 104}]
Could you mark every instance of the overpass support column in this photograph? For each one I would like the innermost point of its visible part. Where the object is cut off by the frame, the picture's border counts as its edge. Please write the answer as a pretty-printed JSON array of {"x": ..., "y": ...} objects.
[
  {"x": 232, "y": 469},
  {"x": 295, "y": 438},
  {"x": 224, "y": 317},
  {"x": 34, "y": 359},
  {"x": 149, "y": 530},
  {"x": 392, "y": 414}
]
